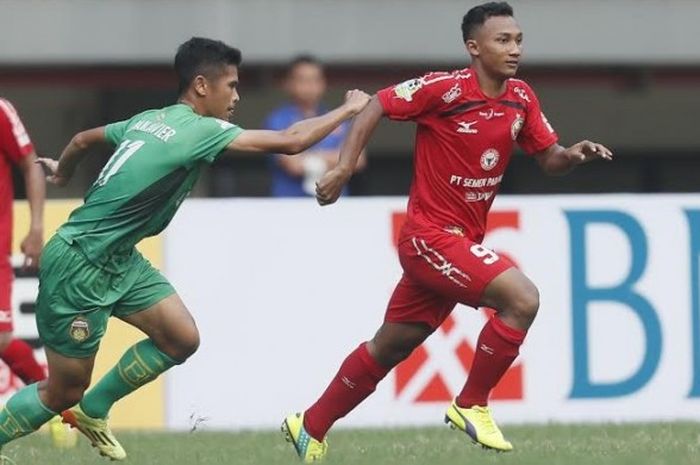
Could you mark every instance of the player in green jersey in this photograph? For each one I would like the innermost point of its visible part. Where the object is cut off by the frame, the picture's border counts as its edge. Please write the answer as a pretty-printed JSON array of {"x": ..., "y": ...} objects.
[{"x": 90, "y": 269}]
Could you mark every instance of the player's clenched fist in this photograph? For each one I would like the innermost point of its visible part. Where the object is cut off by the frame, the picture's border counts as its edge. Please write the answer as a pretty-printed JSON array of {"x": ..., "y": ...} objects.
[
  {"x": 356, "y": 100},
  {"x": 51, "y": 169},
  {"x": 330, "y": 186}
]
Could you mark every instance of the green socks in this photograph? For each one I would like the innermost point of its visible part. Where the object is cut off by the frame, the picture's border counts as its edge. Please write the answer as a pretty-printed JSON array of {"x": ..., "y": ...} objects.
[
  {"x": 141, "y": 364},
  {"x": 23, "y": 414}
]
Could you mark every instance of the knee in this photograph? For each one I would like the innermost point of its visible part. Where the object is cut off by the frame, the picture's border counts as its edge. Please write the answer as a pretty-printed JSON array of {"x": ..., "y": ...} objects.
[
  {"x": 60, "y": 399},
  {"x": 189, "y": 344},
  {"x": 390, "y": 355},
  {"x": 526, "y": 303},
  {"x": 184, "y": 346}
]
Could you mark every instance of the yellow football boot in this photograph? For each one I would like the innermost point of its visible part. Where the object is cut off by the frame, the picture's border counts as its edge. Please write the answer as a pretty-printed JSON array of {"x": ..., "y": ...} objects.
[
  {"x": 478, "y": 423},
  {"x": 61, "y": 435},
  {"x": 309, "y": 449},
  {"x": 97, "y": 431}
]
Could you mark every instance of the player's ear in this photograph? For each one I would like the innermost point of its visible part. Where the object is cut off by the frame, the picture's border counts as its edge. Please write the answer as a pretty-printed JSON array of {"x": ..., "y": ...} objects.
[
  {"x": 472, "y": 47},
  {"x": 199, "y": 83}
]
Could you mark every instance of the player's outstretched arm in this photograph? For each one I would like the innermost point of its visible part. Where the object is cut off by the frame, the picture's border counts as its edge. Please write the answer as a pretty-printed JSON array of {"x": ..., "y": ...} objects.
[
  {"x": 302, "y": 135},
  {"x": 36, "y": 194},
  {"x": 60, "y": 171},
  {"x": 330, "y": 186},
  {"x": 557, "y": 160}
]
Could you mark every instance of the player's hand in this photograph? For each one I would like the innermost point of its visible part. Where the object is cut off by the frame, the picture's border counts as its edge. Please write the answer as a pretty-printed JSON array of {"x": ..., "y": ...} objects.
[
  {"x": 51, "y": 170},
  {"x": 356, "y": 100},
  {"x": 330, "y": 186},
  {"x": 586, "y": 151},
  {"x": 31, "y": 248}
]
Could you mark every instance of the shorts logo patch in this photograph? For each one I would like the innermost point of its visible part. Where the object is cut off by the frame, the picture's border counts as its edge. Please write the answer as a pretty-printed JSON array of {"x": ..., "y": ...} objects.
[{"x": 79, "y": 329}]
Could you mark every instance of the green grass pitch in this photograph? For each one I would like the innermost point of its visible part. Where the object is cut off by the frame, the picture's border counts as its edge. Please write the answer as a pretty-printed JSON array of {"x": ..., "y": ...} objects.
[{"x": 633, "y": 444}]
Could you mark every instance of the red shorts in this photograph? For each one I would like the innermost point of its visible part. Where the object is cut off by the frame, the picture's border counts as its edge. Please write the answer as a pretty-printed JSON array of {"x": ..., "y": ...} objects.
[
  {"x": 6, "y": 277},
  {"x": 441, "y": 269}
]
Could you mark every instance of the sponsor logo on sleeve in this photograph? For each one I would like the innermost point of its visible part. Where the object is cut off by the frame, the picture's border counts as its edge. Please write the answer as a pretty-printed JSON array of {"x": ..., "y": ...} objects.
[
  {"x": 522, "y": 94},
  {"x": 224, "y": 124},
  {"x": 452, "y": 94},
  {"x": 517, "y": 126},
  {"x": 406, "y": 89}
]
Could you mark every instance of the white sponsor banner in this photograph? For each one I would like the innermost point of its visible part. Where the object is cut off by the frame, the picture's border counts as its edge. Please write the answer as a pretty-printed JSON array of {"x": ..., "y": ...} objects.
[{"x": 283, "y": 290}]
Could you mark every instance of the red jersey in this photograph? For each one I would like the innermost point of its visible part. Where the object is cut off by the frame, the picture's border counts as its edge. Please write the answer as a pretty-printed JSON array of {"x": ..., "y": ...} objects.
[
  {"x": 464, "y": 142},
  {"x": 14, "y": 145}
]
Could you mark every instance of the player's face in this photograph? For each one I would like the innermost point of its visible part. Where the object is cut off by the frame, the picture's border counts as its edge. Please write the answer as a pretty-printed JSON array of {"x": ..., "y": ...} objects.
[
  {"x": 306, "y": 84},
  {"x": 498, "y": 44},
  {"x": 223, "y": 94}
]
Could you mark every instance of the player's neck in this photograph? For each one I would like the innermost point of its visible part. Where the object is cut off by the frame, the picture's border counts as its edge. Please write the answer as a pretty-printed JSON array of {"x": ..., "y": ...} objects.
[
  {"x": 491, "y": 86},
  {"x": 185, "y": 100}
]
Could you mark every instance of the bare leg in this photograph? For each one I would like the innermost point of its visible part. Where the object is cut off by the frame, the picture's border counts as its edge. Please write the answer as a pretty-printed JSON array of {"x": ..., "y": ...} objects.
[
  {"x": 514, "y": 297},
  {"x": 173, "y": 338},
  {"x": 37, "y": 403}
]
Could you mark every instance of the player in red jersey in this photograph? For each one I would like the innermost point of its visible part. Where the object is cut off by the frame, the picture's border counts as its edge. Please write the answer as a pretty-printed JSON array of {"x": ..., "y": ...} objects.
[
  {"x": 468, "y": 123},
  {"x": 16, "y": 149}
]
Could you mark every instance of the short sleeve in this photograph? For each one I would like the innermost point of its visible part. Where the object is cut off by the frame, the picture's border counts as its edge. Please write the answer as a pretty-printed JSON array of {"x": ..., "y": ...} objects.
[
  {"x": 14, "y": 139},
  {"x": 216, "y": 135},
  {"x": 114, "y": 132},
  {"x": 537, "y": 134},
  {"x": 417, "y": 97}
]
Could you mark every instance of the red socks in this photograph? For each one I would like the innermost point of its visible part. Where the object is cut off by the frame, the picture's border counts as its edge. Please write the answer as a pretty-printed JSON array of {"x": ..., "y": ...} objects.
[
  {"x": 355, "y": 381},
  {"x": 19, "y": 356},
  {"x": 497, "y": 348}
]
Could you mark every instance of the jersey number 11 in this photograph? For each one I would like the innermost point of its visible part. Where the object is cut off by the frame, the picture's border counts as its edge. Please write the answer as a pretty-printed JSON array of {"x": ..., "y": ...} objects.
[{"x": 125, "y": 150}]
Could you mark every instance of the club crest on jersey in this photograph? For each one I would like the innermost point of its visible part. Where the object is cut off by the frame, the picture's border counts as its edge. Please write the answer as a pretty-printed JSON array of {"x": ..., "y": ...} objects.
[
  {"x": 79, "y": 329},
  {"x": 489, "y": 159},
  {"x": 406, "y": 89},
  {"x": 517, "y": 126},
  {"x": 452, "y": 94}
]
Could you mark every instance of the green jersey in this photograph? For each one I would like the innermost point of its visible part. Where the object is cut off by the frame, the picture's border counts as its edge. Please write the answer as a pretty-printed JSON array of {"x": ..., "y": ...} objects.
[{"x": 158, "y": 157}]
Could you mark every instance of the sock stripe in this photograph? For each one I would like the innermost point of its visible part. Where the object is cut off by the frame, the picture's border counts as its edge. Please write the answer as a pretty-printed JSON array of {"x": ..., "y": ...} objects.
[{"x": 140, "y": 364}]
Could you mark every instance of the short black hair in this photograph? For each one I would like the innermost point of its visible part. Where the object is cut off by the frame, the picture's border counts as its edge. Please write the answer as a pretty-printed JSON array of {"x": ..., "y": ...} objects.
[
  {"x": 478, "y": 15},
  {"x": 303, "y": 59},
  {"x": 203, "y": 56}
]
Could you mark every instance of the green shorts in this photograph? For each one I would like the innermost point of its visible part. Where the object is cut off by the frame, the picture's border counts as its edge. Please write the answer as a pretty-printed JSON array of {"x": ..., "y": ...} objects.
[{"x": 76, "y": 297}]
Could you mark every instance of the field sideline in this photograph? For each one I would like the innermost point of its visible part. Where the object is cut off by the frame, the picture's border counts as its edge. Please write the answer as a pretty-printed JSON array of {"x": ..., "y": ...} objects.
[{"x": 632, "y": 444}]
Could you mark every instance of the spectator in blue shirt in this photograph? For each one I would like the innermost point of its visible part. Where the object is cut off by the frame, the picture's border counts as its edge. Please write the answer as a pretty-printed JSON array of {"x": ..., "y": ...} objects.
[{"x": 305, "y": 83}]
